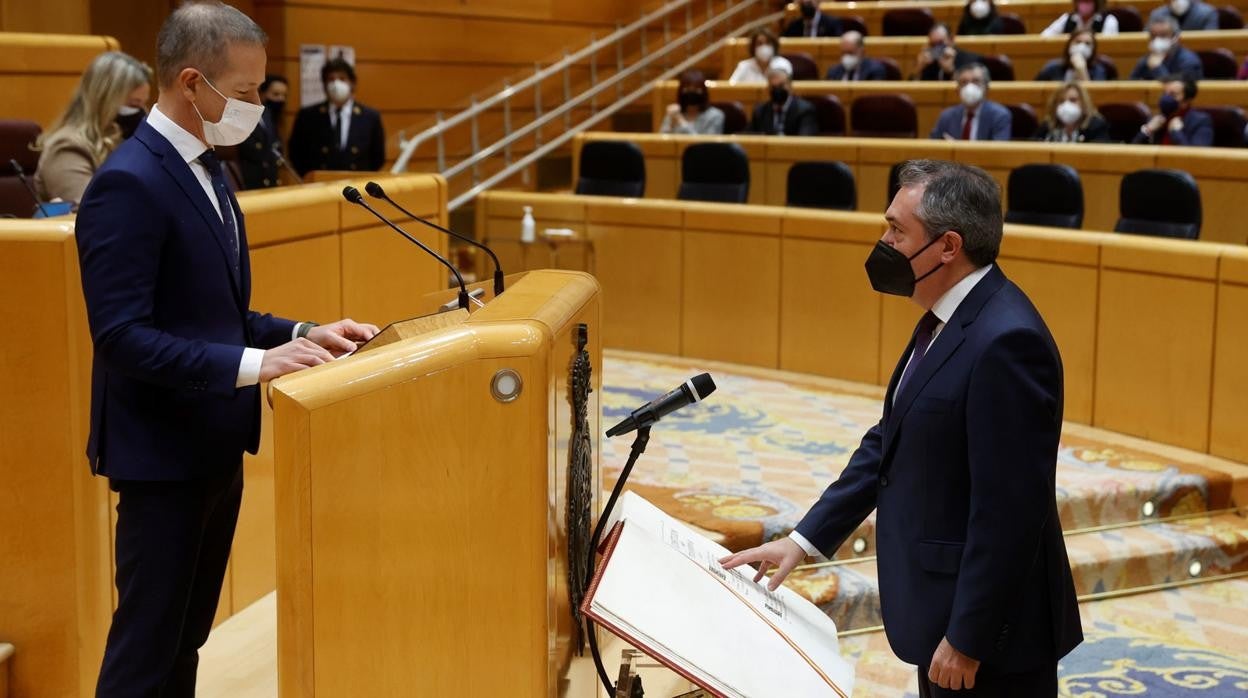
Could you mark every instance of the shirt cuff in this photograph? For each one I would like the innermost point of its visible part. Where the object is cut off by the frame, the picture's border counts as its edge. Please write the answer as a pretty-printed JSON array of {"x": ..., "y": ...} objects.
[
  {"x": 294, "y": 331},
  {"x": 810, "y": 549},
  {"x": 249, "y": 367}
]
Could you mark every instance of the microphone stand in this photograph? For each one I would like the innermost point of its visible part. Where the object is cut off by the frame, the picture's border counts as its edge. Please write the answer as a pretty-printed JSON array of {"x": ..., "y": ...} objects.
[{"x": 638, "y": 448}]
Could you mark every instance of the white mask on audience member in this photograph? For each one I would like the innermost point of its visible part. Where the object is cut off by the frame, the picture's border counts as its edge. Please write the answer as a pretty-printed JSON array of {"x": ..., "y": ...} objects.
[
  {"x": 764, "y": 53},
  {"x": 849, "y": 61},
  {"x": 1069, "y": 113},
  {"x": 981, "y": 8},
  {"x": 972, "y": 94},
  {"x": 1179, "y": 8},
  {"x": 238, "y": 120},
  {"x": 1080, "y": 48},
  {"x": 1160, "y": 45},
  {"x": 338, "y": 90}
]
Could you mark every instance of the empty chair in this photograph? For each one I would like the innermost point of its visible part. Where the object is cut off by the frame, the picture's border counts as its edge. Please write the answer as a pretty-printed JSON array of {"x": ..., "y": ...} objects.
[
  {"x": 1012, "y": 24},
  {"x": 1129, "y": 19},
  {"x": 1045, "y": 194},
  {"x": 821, "y": 185},
  {"x": 999, "y": 67},
  {"x": 883, "y": 116},
  {"x": 612, "y": 168},
  {"x": 1230, "y": 18},
  {"x": 16, "y": 135},
  {"x": 1125, "y": 119},
  {"x": 736, "y": 119},
  {"x": 714, "y": 172},
  {"x": 1165, "y": 203},
  {"x": 829, "y": 113},
  {"x": 804, "y": 66},
  {"x": 854, "y": 23},
  {"x": 1228, "y": 126},
  {"x": 1218, "y": 64},
  {"x": 908, "y": 21},
  {"x": 892, "y": 71},
  {"x": 1023, "y": 124}
]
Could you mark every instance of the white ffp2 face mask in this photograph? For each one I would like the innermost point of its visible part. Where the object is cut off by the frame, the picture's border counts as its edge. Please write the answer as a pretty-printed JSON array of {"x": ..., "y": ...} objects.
[
  {"x": 764, "y": 53},
  {"x": 338, "y": 91},
  {"x": 972, "y": 94},
  {"x": 238, "y": 120},
  {"x": 1160, "y": 45},
  {"x": 1069, "y": 113},
  {"x": 1081, "y": 49}
]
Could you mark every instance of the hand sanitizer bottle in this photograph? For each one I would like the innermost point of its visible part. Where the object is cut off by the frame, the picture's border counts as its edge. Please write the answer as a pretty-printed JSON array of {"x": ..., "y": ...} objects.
[{"x": 528, "y": 227}]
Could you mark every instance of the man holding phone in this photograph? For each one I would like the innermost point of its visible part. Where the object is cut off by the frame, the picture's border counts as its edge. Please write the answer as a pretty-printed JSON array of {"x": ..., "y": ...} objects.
[{"x": 942, "y": 57}]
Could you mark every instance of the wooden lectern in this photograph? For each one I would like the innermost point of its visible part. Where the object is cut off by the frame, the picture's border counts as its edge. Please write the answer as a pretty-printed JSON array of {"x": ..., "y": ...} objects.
[{"x": 421, "y": 507}]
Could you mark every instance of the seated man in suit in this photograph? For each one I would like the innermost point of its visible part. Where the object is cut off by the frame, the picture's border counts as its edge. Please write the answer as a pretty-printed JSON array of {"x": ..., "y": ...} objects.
[
  {"x": 854, "y": 63},
  {"x": 259, "y": 157},
  {"x": 785, "y": 114},
  {"x": 942, "y": 57},
  {"x": 1166, "y": 55},
  {"x": 339, "y": 133},
  {"x": 1192, "y": 15},
  {"x": 1177, "y": 123},
  {"x": 977, "y": 118},
  {"x": 813, "y": 23}
]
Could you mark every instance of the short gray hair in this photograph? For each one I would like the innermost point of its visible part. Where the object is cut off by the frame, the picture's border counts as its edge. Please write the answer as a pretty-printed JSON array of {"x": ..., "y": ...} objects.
[
  {"x": 961, "y": 198},
  {"x": 1175, "y": 27},
  {"x": 957, "y": 73},
  {"x": 198, "y": 35}
]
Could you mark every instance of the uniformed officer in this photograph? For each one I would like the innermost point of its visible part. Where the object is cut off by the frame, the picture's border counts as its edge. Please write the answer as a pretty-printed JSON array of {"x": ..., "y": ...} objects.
[
  {"x": 339, "y": 133},
  {"x": 259, "y": 155}
]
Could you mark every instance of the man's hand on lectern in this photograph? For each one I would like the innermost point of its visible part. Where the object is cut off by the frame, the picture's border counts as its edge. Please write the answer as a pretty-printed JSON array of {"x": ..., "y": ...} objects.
[
  {"x": 782, "y": 555},
  {"x": 341, "y": 337}
]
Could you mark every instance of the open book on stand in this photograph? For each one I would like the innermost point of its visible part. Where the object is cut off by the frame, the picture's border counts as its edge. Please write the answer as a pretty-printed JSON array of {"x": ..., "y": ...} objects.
[{"x": 660, "y": 587}]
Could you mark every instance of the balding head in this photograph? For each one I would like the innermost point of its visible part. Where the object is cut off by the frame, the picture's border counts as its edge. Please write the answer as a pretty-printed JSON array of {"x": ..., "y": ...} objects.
[
  {"x": 851, "y": 42},
  {"x": 198, "y": 35}
]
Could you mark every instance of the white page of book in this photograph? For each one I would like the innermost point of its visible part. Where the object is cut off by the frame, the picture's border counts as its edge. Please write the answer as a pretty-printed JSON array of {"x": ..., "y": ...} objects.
[{"x": 665, "y": 584}]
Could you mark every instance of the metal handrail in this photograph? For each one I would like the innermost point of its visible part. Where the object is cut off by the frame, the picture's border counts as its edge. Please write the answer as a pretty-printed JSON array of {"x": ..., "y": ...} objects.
[{"x": 409, "y": 145}]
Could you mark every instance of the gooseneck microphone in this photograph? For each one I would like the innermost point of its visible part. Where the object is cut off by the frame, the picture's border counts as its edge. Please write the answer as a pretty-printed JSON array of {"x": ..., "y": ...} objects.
[
  {"x": 283, "y": 163},
  {"x": 353, "y": 195},
  {"x": 695, "y": 389},
  {"x": 374, "y": 190},
  {"x": 21, "y": 174}
]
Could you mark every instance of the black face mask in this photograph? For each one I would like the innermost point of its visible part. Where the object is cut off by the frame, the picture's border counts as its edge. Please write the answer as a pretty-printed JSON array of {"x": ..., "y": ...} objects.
[
  {"x": 808, "y": 11},
  {"x": 129, "y": 123},
  {"x": 274, "y": 108},
  {"x": 890, "y": 271},
  {"x": 779, "y": 95},
  {"x": 691, "y": 99}
]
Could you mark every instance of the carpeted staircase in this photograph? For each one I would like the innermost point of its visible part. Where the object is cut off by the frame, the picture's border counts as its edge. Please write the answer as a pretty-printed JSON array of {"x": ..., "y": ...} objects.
[{"x": 748, "y": 463}]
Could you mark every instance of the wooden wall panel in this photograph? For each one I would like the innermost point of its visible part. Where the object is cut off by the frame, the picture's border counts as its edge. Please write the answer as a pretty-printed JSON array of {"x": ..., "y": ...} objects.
[
  {"x": 59, "y": 16},
  {"x": 39, "y": 72},
  {"x": 730, "y": 298},
  {"x": 1228, "y": 437}
]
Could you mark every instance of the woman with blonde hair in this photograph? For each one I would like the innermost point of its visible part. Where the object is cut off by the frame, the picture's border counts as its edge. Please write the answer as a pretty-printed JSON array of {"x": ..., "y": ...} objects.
[
  {"x": 107, "y": 107},
  {"x": 1071, "y": 117}
]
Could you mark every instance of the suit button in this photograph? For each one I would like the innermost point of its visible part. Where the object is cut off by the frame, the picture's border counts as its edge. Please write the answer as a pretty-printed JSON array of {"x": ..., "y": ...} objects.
[
  {"x": 325, "y": 149},
  {"x": 266, "y": 181},
  {"x": 354, "y": 150},
  {"x": 258, "y": 146},
  {"x": 883, "y": 481}
]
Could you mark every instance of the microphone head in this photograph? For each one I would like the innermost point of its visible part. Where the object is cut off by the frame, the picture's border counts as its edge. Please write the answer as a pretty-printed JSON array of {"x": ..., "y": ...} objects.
[
  {"x": 374, "y": 190},
  {"x": 702, "y": 385},
  {"x": 352, "y": 194}
]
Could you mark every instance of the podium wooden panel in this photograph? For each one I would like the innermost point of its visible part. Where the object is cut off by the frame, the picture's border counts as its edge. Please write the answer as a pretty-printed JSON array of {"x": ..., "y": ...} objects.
[{"x": 420, "y": 520}]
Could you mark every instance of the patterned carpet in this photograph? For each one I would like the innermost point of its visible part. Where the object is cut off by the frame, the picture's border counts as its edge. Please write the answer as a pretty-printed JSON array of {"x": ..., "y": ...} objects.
[{"x": 746, "y": 465}]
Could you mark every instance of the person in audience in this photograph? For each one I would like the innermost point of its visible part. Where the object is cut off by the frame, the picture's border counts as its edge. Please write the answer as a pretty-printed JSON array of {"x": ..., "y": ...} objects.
[
  {"x": 1166, "y": 55},
  {"x": 1176, "y": 123},
  {"x": 1086, "y": 14},
  {"x": 942, "y": 57},
  {"x": 812, "y": 23},
  {"x": 339, "y": 133},
  {"x": 692, "y": 113},
  {"x": 764, "y": 55},
  {"x": 976, "y": 118},
  {"x": 785, "y": 114},
  {"x": 108, "y": 105},
  {"x": 259, "y": 157},
  {"x": 1071, "y": 117},
  {"x": 1078, "y": 61},
  {"x": 979, "y": 17},
  {"x": 1192, "y": 15},
  {"x": 854, "y": 63}
]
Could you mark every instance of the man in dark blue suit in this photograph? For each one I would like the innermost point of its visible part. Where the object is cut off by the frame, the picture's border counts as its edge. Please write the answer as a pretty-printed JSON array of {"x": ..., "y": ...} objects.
[
  {"x": 975, "y": 585},
  {"x": 854, "y": 63},
  {"x": 178, "y": 353},
  {"x": 977, "y": 118},
  {"x": 813, "y": 23},
  {"x": 1177, "y": 123}
]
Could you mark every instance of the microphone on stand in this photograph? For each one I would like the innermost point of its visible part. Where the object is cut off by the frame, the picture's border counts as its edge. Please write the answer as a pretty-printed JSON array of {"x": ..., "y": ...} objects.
[
  {"x": 695, "y": 389},
  {"x": 374, "y": 190},
  {"x": 353, "y": 195},
  {"x": 21, "y": 174},
  {"x": 282, "y": 162}
]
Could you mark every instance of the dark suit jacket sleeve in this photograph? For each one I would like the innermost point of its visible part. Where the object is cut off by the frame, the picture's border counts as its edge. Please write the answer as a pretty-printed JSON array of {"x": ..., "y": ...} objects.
[
  {"x": 1197, "y": 131},
  {"x": 377, "y": 148},
  {"x": 807, "y": 122},
  {"x": 120, "y": 240},
  {"x": 759, "y": 122},
  {"x": 1210, "y": 20},
  {"x": 1002, "y": 125},
  {"x": 1097, "y": 131},
  {"x": 301, "y": 143},
  {"x": 1014, "y": 416},
  {"x": 873, "y": 70},
  {"x": 846, "y": 502},
  {"x": 268, "y": 331},
  {"x": 831, "y": 26},
  {"x": 835, "y": 72},
  {"x": 794, "y": 28},
  {"x": 943, "y": 124},
  {"x": 1188, "y": 63}
]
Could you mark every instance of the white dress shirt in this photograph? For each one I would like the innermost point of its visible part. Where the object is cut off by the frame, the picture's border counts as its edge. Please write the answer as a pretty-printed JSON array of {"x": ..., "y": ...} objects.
[
  {"x": 943, "y": 309},
  {"x": 189, "y": 147},
  {"x": 748, "y": 72},
  {"x": 342, "y": 124},
  {"x": 1108, "y": 28}
]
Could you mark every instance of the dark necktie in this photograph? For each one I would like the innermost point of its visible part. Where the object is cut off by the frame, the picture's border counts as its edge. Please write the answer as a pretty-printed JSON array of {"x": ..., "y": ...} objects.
[
  {"x": 222, "y": 190},
  {"x": 922, "y": 339},
  {"x": 966, "y": 127},
  {"x": 337, "y": 127}
]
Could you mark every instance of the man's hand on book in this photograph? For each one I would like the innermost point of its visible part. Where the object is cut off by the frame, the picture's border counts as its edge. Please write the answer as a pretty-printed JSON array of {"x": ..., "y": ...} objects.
[{"x": 782, "y": 555}]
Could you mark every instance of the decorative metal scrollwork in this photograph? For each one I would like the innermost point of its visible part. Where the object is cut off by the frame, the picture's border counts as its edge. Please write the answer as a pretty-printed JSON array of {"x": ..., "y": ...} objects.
[{"x": 580, "y": 483}]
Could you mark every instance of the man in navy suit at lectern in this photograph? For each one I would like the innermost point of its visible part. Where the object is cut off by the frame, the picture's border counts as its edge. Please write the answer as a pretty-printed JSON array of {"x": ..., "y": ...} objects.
[
  {"x": 975, "y": 585},
  {"x": 178, "y": 353}
]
